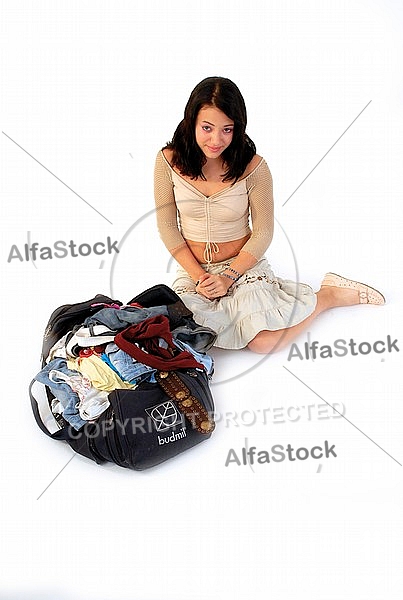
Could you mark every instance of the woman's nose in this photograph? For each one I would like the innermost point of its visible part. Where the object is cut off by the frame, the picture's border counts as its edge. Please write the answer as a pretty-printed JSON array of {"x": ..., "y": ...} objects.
[{"x": 216, "y": 138}]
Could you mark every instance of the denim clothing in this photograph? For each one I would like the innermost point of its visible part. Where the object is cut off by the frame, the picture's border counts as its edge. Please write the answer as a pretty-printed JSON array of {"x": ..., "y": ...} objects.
[
  {"x": 62, "y": 391},
  {"x": 107, "y": 360},
  {"x": 205, "y": 359},
  {"x": 129, "y": 369},
  {"x": 120, "y": 319},
  {"x": 199, "y": 337}
]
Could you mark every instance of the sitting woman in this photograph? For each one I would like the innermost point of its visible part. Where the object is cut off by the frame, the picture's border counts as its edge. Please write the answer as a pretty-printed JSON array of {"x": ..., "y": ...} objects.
[{"x": 214, "y": 201}]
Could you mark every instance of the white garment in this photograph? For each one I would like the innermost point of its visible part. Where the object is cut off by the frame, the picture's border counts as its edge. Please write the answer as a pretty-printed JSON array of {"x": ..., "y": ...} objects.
[
  {"x": 258, "y": 301},
  {"x": 92, "y": 403}
]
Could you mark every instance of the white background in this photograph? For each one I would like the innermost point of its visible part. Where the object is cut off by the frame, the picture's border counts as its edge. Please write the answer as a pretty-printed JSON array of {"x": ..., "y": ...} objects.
[{"x": 92, "y": 90}]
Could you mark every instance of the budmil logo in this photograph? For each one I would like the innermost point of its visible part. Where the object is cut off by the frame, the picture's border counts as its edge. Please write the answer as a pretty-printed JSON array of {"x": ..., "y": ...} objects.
[{"x": 165, "y": 415}]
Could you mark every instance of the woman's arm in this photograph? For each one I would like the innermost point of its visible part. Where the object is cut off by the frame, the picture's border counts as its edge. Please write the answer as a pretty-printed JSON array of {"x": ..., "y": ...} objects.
[
  {"x": 260, "y": 192},
  {"x": 167, "y": 220}
]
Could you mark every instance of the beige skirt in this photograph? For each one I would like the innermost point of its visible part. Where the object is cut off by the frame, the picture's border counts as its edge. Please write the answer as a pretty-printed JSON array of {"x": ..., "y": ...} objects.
[{"x": 258, "y": 301}]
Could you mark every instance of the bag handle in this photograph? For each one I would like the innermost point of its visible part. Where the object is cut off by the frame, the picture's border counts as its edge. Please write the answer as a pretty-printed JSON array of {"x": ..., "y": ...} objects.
[
  {"x": 42, "y": 412},
  {"x": 177, "y": 391}
]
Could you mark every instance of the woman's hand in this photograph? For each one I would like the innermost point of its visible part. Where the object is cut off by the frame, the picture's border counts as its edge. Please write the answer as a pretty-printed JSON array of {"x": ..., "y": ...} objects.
[{"x": 213, "y": 286}]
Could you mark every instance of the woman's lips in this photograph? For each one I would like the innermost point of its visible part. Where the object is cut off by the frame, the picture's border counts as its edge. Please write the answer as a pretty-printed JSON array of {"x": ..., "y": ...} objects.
[{"x": 214, "y": 149}]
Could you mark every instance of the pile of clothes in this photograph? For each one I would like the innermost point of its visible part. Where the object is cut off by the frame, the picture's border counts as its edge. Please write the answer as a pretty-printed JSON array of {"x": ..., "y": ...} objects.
[{"x": 119, "y": 346}]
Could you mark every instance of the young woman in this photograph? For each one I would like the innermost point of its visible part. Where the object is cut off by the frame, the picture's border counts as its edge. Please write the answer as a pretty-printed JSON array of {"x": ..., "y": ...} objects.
[{"x": 214, "y": 201}]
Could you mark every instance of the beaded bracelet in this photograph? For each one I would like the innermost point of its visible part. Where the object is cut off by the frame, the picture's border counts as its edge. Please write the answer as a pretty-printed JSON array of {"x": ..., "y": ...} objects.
[
  {"x": 233, "y": 271},
  {"x": 230, "y": 276}
]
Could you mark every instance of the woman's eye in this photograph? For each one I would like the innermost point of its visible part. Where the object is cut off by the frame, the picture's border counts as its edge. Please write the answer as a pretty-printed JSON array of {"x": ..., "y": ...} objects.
[
  {"x": 206, "y": 128},
  {"x": 228, "y": 130}
]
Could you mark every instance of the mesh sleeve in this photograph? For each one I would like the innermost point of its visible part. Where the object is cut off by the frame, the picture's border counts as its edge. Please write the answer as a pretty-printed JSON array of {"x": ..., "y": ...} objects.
[
  {"x": 260, "y": 191},
  {"x": 166, "y": 211}
]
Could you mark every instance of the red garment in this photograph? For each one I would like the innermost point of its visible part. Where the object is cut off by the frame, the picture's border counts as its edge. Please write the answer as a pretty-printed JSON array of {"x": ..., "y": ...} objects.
[{"x": 146, "y": 334}]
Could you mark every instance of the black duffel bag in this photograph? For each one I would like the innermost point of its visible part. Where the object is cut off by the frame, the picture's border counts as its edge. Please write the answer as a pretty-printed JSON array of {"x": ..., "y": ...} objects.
[{"x": 150, "y": 424}]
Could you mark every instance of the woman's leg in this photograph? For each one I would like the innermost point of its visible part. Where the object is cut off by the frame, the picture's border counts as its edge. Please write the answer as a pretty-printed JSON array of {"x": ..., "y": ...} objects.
[{"x": 327, "y": 297}]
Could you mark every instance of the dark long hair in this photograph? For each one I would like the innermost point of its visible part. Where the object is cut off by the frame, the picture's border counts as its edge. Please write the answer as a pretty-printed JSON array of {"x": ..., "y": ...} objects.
[{"x": 187, "y": 157}]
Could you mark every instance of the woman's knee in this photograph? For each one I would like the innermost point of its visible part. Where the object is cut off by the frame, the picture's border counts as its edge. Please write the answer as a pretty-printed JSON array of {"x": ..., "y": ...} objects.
[{"x": 265, "y": 342}]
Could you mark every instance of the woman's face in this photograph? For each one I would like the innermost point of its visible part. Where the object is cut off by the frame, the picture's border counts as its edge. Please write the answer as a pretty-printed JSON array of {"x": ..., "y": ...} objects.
[{"x": 214, "y": 131}]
